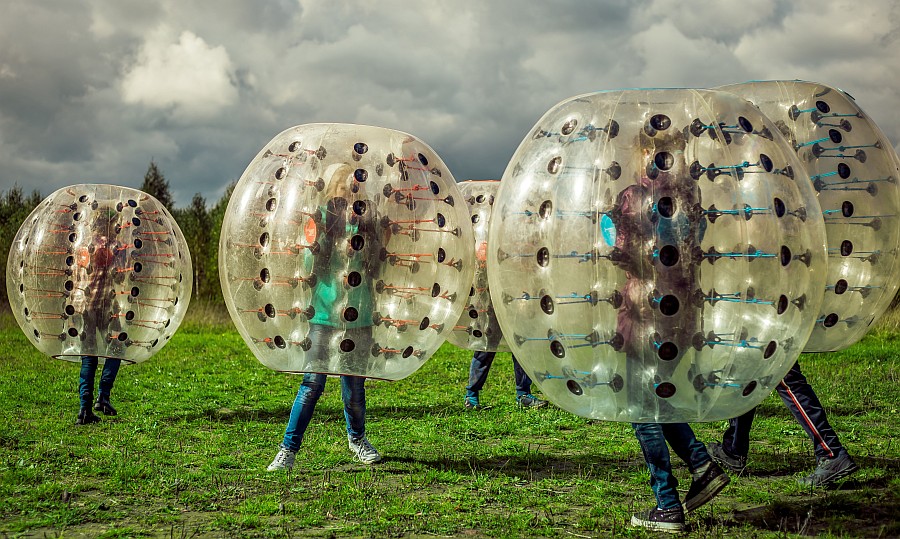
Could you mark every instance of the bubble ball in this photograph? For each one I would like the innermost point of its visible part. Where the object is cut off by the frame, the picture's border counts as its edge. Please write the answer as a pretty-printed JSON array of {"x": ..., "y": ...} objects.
[
  {"x": 854, "y": 170},
  {"x": 346, "y": 250},
  {"x": 99, "y": 270},
  {"x": 477, "y": 328},
  {"x": 656, "y": 255}
]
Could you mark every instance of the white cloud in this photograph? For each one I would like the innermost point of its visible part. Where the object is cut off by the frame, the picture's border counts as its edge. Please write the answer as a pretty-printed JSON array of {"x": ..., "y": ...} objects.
[
  {"x": 187, "y": 76},
  {"x": 92, "y": 89}
]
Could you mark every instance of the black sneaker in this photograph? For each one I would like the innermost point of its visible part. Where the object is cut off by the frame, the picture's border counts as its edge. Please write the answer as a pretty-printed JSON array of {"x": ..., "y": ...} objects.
[
  {"x": 829, "y": 471},
  {"x": 705, "y": 489},
  {"x": 86, "y": 417},
  {"x": 719, "y": 454},
  {"x": 664, "y": 520},
  {"x": 103, "y": 405}
]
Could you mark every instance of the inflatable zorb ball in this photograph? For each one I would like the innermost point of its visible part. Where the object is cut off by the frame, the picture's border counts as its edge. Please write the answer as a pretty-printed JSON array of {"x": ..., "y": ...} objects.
[
  {"x": 854, "y": 170},
  {"x": 99, "y": 270},
  {"x": 346, "y": 249},
  {"x": 656, "y": 255},
  {"x": 477, "y": 328}
]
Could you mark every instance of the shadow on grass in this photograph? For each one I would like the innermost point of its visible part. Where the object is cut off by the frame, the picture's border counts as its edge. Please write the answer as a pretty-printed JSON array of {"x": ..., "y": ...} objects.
[
  {"x": 862, "y": 513},
  {"x": 234, "y": 415},
  {"x": 531, "y": 466}
]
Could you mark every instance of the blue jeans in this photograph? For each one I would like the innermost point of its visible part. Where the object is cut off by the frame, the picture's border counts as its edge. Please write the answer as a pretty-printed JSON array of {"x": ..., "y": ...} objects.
[
  {"x": 653, "y": 438},
  {"x": 353, "y": 393},
  {"x": 89, "y": 372},
  {"x": 481, "y": 365}
]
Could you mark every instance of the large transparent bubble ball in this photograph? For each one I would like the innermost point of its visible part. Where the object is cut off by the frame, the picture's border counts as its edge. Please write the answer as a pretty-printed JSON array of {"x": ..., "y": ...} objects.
[
  {"x": 346, "y": 249},
  {"x": 477, "y": 328},
  {"x": 99, "y": 270},
  {"x": 656, "y": 255},
  {"x": 854, "y": 170}
]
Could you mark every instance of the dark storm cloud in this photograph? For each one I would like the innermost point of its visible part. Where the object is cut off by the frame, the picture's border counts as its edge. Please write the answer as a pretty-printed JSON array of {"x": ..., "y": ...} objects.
[{"x": 91, "y": 91}]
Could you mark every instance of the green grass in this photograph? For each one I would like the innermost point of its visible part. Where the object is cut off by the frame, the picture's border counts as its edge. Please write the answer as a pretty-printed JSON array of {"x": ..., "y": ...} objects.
[{"x": 199, "y": 422}]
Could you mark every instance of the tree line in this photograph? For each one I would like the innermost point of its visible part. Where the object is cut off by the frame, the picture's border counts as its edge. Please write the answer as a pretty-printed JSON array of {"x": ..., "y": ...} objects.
[{"x": 200, "y": 224}]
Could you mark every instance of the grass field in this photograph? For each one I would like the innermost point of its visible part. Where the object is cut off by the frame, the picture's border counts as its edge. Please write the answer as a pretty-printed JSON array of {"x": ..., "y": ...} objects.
[{"x": 200, "y": 421}]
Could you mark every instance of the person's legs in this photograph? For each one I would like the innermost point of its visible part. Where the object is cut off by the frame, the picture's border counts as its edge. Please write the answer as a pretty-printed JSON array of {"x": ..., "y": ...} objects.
[
  {"x": 708, "y": 479},
  {"x": 736, "y": 440},
  {"x": 681, "y": 438},
  {"x": 732, "y": 452},
  {"x": 833, "y": 462},
  {"x": 478, "y": 372},
  {"x": 804, "y": 405},
  {"x": 353, "y": 393},
  {"x": 656, "y": 456},
  {"x": 86, "y": 380},
  {"x": 86, "y": 390},
  {"x": 523, "y": 382},
  {"x": 108, "y": 377},
  {"x": 668, "y": 515},
  {"x": 302, "y": 410},
  {"x": 524, "y": 398}
]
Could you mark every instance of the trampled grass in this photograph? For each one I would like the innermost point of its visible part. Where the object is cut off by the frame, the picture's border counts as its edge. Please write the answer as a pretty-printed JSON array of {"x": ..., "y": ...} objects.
[{"x": 200, "y": 421}]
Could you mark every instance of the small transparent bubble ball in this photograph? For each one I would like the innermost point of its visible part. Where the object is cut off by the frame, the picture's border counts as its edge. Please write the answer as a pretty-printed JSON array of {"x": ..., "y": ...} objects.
[
  {"x": 854, "y": 170},
  {"x": 346, "y": 250},
  {"x": 477, "y": 328},
  {"x": 656, "y": 255},
  {"x": 99, "y": 270}
]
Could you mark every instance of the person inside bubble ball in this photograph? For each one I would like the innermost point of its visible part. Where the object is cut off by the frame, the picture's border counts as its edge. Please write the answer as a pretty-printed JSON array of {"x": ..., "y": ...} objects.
[
  {"x": 97, "y": 267},
  {"x": 640, "y": 225},
  {"x": 482, "y": 361},
  {"x": 349, "y": 239}
]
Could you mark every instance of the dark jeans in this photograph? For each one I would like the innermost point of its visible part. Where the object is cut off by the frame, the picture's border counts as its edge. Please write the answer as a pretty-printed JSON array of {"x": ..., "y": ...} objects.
[
  {"x": 653, "y": 438},
  {"x": 803, "y": 403},
  {"x": 481, "y": 365},
  {"x": 89, "y": 372},
  {"x": 353, "y": 393}
]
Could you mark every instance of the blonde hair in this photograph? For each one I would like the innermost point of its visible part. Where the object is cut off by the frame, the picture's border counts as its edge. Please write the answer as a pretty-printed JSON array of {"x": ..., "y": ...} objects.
[{"x": 337, "y": 181}]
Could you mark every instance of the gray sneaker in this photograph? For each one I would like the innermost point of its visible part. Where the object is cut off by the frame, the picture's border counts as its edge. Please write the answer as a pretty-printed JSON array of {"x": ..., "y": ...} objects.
[
  {"x": 829, "y": 471},
  {"x": 284, "y": 460},
  {"x": 363, "y": 450},
  {"x": 530, "y": 401}
]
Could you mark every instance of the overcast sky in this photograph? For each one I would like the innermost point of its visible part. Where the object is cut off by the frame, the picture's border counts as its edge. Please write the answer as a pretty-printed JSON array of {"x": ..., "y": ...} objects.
[{"x": 92, "y": 90}]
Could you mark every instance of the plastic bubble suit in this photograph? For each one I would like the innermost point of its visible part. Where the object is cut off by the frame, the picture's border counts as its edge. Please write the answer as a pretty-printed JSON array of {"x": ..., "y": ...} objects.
[
  {"x": 477, "y": 328},
  {"x": 656, "y": 255},
  {"x": 99, "y": 270},
  {"x": 853, "y": 168},
  {"x": 346, "y": 249}
]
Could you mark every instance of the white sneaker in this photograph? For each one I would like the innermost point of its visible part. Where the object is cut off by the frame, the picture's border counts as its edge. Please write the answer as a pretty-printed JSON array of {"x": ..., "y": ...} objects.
[
  {"x": 284, "y": 460},
  {"x": 364, "y": 450}
]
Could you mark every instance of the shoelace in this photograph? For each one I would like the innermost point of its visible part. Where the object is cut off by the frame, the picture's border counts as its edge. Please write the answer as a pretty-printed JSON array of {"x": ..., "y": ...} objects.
[{"x": 365, "y": 447}]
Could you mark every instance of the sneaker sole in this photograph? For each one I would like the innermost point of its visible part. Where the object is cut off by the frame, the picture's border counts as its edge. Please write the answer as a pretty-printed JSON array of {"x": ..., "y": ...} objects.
[
  {"x": 657, "y": 526},
  {"x": 706, "y": 495}
]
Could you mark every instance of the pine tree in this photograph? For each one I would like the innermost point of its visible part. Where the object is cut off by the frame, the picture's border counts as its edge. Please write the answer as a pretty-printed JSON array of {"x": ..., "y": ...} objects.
[
  {"x": 156, "y": 185},
  {"x": 14, "y": 208}
]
